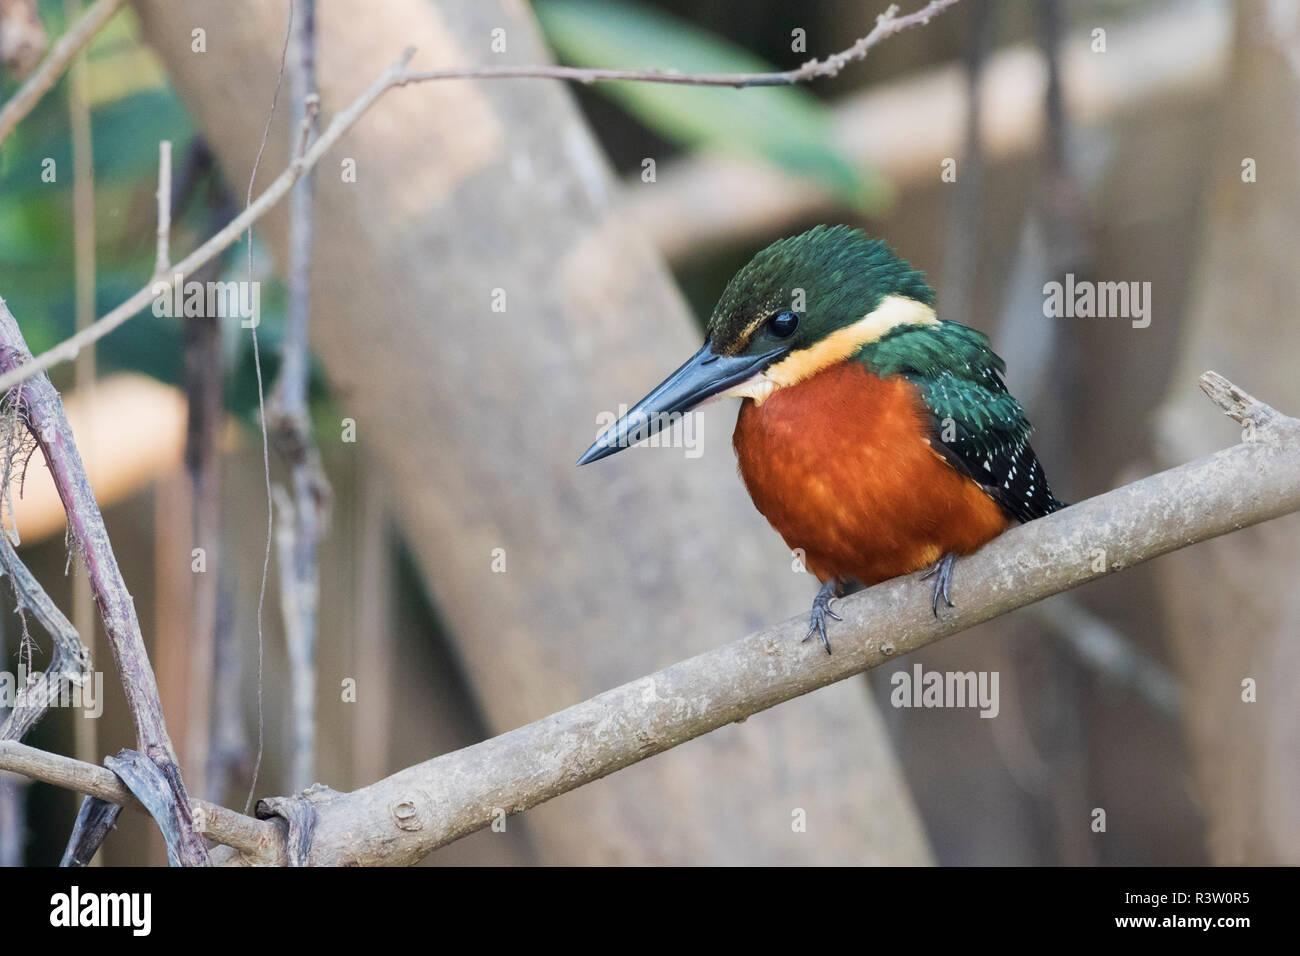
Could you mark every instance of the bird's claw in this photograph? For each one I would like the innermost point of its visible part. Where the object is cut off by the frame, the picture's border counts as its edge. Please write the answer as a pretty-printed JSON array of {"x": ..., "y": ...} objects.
[
  {"x": 943, "y": 568},
  {"x": 821, "y": 610}
]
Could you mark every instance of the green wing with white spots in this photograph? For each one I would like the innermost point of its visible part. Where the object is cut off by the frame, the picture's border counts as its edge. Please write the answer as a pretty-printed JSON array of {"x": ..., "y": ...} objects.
[{"x": 976, "y": 424}]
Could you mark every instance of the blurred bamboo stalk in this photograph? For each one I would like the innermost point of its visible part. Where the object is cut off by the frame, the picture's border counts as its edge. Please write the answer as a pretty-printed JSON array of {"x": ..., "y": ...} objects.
[
  {"x": 212, "y": 750},
  {"x": 229, "y": 761},
  {"x": 372, "y": 640},
  {"x": 205, "y": 555},
  {"x": 173, "y": 597}
]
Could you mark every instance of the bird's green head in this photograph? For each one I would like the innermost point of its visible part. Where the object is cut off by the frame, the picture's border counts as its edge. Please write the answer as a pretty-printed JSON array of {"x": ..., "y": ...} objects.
[
  {"x": 799, "y": 306},
  {"x": 800, "y": 291}
]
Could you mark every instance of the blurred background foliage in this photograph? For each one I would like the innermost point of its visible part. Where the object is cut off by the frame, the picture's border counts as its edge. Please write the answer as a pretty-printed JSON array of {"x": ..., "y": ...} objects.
[
  {"x": 786, "y": 125},
  {"x": 133, "y": 106}
]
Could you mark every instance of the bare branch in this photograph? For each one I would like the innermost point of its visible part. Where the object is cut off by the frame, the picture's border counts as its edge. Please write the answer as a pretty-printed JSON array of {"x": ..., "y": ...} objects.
[
  {"x": 887, "y": 25},
  {"x": 257, "y": 838},
  {"x": 52, "y": 67},
  {"x": 69, "y": 663},
  {"x": 1242, "y": 407},
  {"x": 44, "y": 417}
]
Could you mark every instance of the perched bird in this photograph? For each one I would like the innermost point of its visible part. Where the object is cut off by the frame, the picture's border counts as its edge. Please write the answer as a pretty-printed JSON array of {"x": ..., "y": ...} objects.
[{"x": 874, "y": 436}]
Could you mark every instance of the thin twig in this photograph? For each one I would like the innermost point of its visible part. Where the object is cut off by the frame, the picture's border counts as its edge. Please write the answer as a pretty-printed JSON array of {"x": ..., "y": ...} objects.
[
  {"x": 397, "y": 75},
  {"x": 52, "y": 67},
  {"x": 887, "y": 25}
]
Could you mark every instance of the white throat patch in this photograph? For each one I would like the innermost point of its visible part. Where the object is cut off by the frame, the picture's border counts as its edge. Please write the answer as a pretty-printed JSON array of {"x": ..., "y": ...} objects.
[{"x": 893, "y": 311}]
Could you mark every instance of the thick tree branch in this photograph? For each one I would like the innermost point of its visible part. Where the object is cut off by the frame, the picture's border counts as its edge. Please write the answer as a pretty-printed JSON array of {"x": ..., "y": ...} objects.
[
  {"x": 888, "y": 24},
  {"x": 403, "y": 817},
  {"x": 406, "y": 816}
]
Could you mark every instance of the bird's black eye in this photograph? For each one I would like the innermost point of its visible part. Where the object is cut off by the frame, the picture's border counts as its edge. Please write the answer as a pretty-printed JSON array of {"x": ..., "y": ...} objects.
[{"x": 783, "y": 324}]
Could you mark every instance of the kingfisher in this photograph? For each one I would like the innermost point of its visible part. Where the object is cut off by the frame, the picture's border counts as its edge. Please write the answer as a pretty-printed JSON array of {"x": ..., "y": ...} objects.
[{"x": 876, "y": 438}]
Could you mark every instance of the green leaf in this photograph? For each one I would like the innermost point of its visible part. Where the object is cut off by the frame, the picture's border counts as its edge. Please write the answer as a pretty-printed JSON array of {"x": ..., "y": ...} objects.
[{"x": 786, "y": 126}]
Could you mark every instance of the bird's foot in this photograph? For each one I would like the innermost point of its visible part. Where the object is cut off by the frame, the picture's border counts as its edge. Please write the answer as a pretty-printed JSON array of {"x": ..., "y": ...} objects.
[
  {"x": 942, "y": 568},
  {"x": 821, "y": 610}
]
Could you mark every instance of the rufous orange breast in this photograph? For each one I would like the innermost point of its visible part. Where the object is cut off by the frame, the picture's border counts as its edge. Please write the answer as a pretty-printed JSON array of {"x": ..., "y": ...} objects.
[{"x": 840, "y": 465}]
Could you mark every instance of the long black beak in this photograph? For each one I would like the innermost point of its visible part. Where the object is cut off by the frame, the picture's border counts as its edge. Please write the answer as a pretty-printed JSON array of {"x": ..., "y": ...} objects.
[{"x": 704, "y": 375}]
